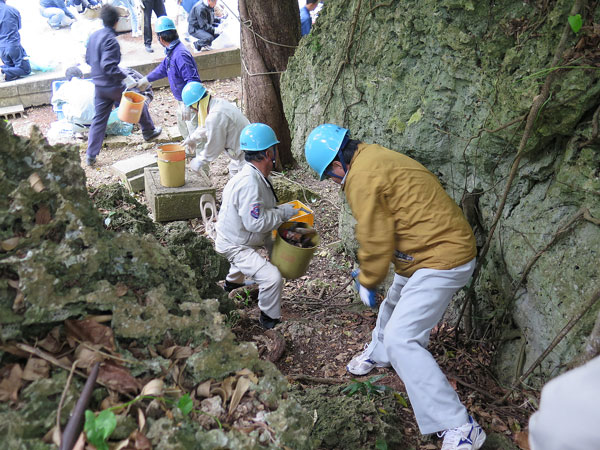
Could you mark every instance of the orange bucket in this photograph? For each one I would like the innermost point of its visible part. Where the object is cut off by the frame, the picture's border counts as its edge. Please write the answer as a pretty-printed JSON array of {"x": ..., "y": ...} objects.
[{"x": 131, "y": 106}]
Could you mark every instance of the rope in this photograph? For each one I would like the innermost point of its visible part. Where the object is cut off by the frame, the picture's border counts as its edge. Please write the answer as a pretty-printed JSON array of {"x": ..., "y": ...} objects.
[{"x": 248, "y": 24}]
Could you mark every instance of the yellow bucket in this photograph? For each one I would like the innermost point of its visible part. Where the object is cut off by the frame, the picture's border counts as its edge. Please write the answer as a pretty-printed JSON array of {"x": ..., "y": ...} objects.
[
  {"x": 131, "y": 106},
  {"x": 292, "y": 261},
  {"x": 171, "y": 165}
]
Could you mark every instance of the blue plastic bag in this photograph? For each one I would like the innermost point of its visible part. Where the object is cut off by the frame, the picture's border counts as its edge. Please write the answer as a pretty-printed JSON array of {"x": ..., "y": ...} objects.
[{"x": 116, "y": 126}]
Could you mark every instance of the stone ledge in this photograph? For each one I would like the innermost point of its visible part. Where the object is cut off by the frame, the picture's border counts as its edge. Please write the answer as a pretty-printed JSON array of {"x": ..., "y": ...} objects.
[{"x": 36, "y": 90}]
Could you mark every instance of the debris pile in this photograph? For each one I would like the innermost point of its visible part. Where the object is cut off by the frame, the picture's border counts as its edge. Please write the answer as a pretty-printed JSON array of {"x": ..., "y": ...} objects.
[{"x": 73, "y": 293}]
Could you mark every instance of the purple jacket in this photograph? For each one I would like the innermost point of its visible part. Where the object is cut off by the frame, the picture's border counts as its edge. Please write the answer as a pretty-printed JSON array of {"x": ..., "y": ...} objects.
[
  {"x": 179, "y": 66},
  {"x": 104, "y": 55}
]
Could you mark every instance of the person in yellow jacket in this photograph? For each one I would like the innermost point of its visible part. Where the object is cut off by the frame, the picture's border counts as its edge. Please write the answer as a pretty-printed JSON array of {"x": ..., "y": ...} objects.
[{"x": 404, "y": 217}]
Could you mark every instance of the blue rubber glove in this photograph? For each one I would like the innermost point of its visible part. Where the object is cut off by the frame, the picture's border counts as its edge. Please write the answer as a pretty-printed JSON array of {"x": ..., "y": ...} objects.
[{"x": 366, "y": 295}]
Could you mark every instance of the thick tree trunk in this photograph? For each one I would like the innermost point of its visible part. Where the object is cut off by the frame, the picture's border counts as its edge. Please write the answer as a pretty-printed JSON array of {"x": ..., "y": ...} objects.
[{"x": 270, "y": 34}]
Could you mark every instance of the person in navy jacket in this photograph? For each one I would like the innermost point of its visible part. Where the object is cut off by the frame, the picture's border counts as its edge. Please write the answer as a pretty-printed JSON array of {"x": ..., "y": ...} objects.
[
  {"x": 103, "y": 55},
  {"x": 179, "y": 67},
  {"x": 57, "y": 13},
  {"x": 202, "y": 23},
  {"x": 305, "y": 18},
  {"x": 14, "y": 59}
]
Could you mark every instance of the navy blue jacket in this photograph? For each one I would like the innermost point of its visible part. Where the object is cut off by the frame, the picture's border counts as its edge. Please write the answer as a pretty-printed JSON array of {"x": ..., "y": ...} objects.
[
  {"x": 179, "y": 66},
  {"x": 57, "y": 4},
  {"x": 104, "y": 55},
  {"x": 202, "y": 17},
  {"x": 10, "y": 23}
]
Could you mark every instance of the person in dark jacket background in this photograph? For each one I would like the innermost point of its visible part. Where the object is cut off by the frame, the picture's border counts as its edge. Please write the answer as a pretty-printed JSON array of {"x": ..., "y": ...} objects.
[
  {"x": 14, "y": 59},
  {"x": 158, "y": 6},
  {"x": 57, "y": 13},
  {"x": 179, "y": 67},
  {"x": 202, "y": 24},
  {"x": 103, "y": 55}
]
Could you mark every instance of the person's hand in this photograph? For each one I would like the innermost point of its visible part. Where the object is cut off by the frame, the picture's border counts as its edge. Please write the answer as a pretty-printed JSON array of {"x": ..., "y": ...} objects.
[
  {"x": 190, "y": 146},
  {"x": 197, "y": 165},
  {"x": 143, "y": 84},
  {"x": 287, "y": 211},
  {"x": 129, "y": 82},
  {"x": 366, "y": 295}
]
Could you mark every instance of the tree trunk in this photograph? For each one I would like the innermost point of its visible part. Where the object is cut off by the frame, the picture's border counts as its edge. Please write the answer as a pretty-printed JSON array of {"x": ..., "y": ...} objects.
[{"x": 270, "y": 34}]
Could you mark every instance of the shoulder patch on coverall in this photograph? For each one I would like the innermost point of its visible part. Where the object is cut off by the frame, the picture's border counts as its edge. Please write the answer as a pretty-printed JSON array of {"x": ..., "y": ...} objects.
[{"x": 255, "y": 210}]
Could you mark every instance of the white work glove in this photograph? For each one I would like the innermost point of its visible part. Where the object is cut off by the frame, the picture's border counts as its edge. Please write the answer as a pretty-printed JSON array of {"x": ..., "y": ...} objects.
[
  {"x": 129, "y": 82},
  {"x": 198, "y": 137},
  {"x": 366, "y": 295},
  {"x": 143, "y": 84},
  {"x": 287, "y": 211},
  {"x": 197, "y": 165}
]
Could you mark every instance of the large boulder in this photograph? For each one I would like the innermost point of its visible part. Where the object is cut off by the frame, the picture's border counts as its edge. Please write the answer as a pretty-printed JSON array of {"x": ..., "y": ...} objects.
[{"x": 449, "y": 83}]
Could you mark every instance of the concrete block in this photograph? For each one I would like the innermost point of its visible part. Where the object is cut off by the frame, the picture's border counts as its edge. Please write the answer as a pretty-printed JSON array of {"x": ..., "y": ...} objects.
[
  {"x": 11, "y": 112},
  {"x": 131, "y": 170},
  {"x": 180, "y": 203},
  {"x": 136, "y": 183}
]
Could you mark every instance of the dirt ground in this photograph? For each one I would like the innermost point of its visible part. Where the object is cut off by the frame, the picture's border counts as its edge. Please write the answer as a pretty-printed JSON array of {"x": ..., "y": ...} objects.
[{"x": 324, "y": 324}]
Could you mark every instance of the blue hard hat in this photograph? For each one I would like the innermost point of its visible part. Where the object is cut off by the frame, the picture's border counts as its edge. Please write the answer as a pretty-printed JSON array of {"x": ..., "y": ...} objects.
[
  {"x": 257, "y": 137},
  {"x": 192, "y": 93},
  {"x": 163, "y": 23},
  {"x": 322, "y": 146}
]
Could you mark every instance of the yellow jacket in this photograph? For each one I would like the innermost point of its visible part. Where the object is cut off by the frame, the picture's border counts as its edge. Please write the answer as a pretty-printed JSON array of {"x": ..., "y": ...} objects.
[{"x": 403, "y": 215}]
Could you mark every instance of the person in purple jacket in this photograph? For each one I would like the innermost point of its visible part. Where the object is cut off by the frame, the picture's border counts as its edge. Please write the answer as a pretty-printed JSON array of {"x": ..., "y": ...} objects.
[
  {"x": 179, "y": 67},
  {"x": 103, "y": 55}
]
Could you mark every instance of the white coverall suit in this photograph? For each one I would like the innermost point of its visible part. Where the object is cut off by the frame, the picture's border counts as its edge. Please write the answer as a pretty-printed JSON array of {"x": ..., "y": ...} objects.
[
  {"x": 222, "y": 129},
  {"x": 248, "y": 215}
]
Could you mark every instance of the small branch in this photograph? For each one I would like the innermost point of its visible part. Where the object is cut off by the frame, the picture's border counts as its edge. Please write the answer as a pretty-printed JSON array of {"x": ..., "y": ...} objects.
[
  {"x": 470, "y": 386},
  {"x": 64, "y": 395},
  {"x": 75, "y": 423}
]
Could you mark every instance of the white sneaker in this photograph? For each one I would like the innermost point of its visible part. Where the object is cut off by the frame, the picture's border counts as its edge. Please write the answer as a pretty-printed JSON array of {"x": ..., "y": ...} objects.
[
  {"x": 362, "y": 364},
  {"x": 470, "y": 436}
]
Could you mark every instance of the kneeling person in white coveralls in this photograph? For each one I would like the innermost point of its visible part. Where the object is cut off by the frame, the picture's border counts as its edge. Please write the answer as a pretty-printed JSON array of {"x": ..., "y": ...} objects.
[
  {"x": 404, "y": 217},
  {"x": 219, "y": 126},
  {"x": 248, "y": 215}
]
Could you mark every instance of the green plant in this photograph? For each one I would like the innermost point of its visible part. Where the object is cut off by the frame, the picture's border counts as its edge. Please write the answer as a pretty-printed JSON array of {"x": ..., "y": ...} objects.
[
  {"x": 367, "y": 388},
  {"x": 575, "y": 22},
  {"x": 99, "y": 428},
  {"x": 185, "y": 404}
]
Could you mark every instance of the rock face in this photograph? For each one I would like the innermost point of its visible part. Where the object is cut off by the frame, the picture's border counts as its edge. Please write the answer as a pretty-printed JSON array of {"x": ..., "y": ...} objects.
[
  {"x": 449, "y": 83},
  {"x": 60, "y": 259}
]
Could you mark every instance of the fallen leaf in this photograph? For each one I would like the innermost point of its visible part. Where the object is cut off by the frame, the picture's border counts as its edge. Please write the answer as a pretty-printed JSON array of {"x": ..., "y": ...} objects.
[
  {"x": 43, "y": 215},
  {"x": 153, "y": 387},
  {"x": 12, "y": 380},
  {"x": 121, "y": 289},
  {"x": 248, "y": 374},
  {"x": 241, "y": 387},
  {"x": 522, "y": 440},
  {"x": 36, "y": 369},
  {"x": 9, "y": 244},
  {"x": 117, "y": 378},
  {"x": 52, "y": 342},
  {"x": 204, "y": 389},
  {"x": 87, "y": 357},
  {"x": 175, "y": 352},
  {"x": 91, "y": 331},
  {"x": 19, "y": 302},
  {"x": 498, "y": 425},
  {"x": 141, "y": 420},
  {"x": 35, "y": 181}
]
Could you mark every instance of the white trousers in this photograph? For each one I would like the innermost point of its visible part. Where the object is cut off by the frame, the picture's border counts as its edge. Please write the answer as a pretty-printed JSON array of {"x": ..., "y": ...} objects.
[
  {"x": 412, "y": 307},
  {"x": 247, "y": 263}
]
